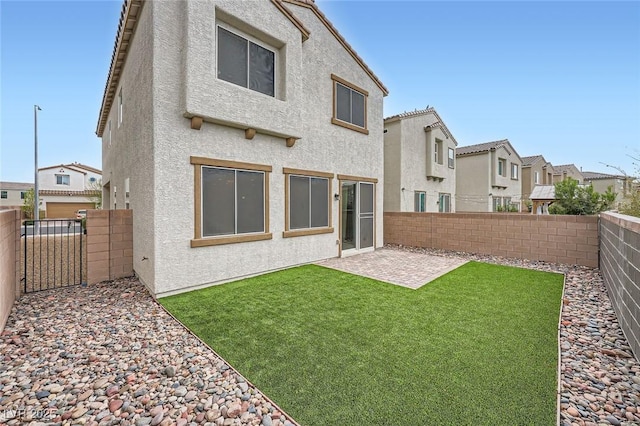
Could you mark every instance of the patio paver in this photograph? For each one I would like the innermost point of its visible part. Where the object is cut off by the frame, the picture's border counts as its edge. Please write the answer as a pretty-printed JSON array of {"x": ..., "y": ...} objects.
[{"x": 405, "y": 269}]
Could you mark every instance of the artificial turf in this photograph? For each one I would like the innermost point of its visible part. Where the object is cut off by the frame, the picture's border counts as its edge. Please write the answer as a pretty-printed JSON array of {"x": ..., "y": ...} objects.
[{"x": 476, "y": 346}]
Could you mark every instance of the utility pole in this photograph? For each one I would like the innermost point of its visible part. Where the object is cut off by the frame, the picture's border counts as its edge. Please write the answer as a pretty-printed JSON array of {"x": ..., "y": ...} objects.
[{"x": 36, "y": 201}]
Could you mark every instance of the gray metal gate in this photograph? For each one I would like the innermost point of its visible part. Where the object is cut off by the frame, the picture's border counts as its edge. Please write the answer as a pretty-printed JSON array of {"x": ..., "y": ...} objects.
[{"x": 53, "y": 254}]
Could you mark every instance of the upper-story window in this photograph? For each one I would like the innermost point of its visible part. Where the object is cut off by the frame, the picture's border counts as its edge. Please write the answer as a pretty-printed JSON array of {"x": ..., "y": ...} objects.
[
  {"x": 349, "y": 105},
  {"x": 22, "y": 195},
  {"x": 109, "y": 131},
  {"x": 502, "y": 167},
  {"x": 245, "y": 62},
  {"x": 62, "y": 180},
  {"x": 437, "y": 151},
  {"x": 536, "y": 178},
  {"x": 3, "y": 194},
  {"x": 451, "y": 158},
  {"x": 514, "y": 171},
  {"x": 120, "y": 111}
]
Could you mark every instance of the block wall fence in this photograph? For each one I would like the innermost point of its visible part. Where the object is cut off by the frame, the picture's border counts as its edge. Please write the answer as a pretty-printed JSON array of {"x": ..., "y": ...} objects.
[
  {"x": 109, "y": 245},
  {"x": 570, "y": 240},
  {"x": 620, "y": 266},
  {"x": 9, "y": 262}
]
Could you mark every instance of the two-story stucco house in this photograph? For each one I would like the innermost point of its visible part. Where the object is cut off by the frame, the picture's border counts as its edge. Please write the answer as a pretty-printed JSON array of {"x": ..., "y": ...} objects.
[
  {"x": 246, "y": 136},
  {"x": 66, "y": 188},
  {"x": 565, "y": 171},
  {"x": 488, "y": 177},
  {"x": 535, "y": 171},
  {"x": 12, "y": 194},
  {"x": 601, "y": 182},
  {"x": 419, "y": 163}
]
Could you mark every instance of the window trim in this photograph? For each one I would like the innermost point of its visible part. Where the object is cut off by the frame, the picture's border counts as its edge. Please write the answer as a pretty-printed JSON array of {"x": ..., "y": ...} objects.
[
  {"x": 120, "y": 110},
  {"x": 199, "y": 240},
  {"x": 517, "y": 174},
  {"x": 441, "y": 196},
  {"x": 416, "y": 198},
  {"x": 62, "y": 175},
  {"x": 288, "y": 233},
  {"x": 502, "y": 164},
  {"x": 451, "y": 155},
  {"x": 438, "y": 154},
  {"x": 23, "y": 194},
  {"x": 258, "y": 42},
  {"x": 536, "y": 177},
  {"x": 334, "y": 120},
  {"x": 4, "y": 194}
]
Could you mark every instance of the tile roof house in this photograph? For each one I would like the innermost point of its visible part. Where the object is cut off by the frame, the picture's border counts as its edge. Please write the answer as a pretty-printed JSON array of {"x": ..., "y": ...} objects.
[
  {"x": 419, "y": 163},
  {"x": 247, "y": 136},
  {"x": 564, "y": 171},
  {"x": 66, "y": 188},
  {"x": 488, "y": 177},
  {"x": 619, "y": 184},
  {"x": 535, "y": 171}
]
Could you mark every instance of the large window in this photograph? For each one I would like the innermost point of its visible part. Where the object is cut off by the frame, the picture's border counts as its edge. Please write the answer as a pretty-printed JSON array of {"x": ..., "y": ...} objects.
[
  {"x": 232, "y": 202},
  {"x": 514, "y": 171},
  {"x": 62, "y": 180},
  {"x": 451, "y": 158},
  {"x": 246, "y": 63},
  {"x": 349, "y": 105},
  {"x": 444, "y": 203},
  {"x": 420, "y": 201},
  {"x": 308, "y": 202}
]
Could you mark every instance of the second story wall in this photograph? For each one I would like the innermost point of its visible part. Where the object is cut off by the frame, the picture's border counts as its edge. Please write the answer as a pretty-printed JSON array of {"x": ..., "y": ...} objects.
[
  {"x": 392, "y": 167},
  {"x": 473, "y": 183}
]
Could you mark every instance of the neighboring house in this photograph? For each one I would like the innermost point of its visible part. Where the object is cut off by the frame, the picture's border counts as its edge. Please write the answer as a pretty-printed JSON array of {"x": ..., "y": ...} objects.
[
  {"x": 12, "y": 194},
  {"x": 488, "y": 177},
  {"x": 535, "y": 171},
  {"x": 620, "y": 185},
  {"x": 564, "y": 171},
  {"x": 419, "y": 163},
  {"x": 67, "y": 188},
  {"x": 246, "y": 136}
]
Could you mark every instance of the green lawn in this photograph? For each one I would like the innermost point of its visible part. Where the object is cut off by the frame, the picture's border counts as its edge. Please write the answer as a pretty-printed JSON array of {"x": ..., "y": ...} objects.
[{"x": 476, "y": 346}]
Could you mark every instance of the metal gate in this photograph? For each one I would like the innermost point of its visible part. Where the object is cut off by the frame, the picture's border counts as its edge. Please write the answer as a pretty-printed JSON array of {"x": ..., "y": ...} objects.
[{"x": 53, "y": 254}]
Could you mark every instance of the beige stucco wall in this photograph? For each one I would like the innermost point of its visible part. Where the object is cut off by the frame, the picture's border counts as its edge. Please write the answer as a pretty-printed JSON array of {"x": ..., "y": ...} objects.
[
  {"x": 9, "y": 262},
  {"x": 182, "y": 83},
  {"x": 601, "y": 186},
  {"x": 478, "y": 181},
  {"x": 13, "y": 198},
  {"x": 415, "y": 149},
  {"x": 130, "y": 152},
  {"x": 47, "y": 179},
  {"x": 392, "y": 166}
]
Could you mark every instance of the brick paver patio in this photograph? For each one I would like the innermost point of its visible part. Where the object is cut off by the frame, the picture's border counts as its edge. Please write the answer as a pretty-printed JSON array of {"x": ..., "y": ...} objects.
[{"x": 402, "y": 268}]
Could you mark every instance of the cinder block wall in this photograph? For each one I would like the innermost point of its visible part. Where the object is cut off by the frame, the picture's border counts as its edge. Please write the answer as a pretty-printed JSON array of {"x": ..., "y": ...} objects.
[
  {"x": 109, "y": 244},
  {"x": 620, "y": 265},
  {"x": 551, "y": 238},
  {"x": 9, "y": 262}
]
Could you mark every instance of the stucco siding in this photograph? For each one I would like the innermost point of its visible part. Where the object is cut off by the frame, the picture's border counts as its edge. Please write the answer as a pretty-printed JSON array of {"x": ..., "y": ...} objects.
[
  {"x": 129, "y": 153},
  {"x": 392, "y": 166},
  {"x": 228, "y": 110},
  {"x": 473, "y": 183}
]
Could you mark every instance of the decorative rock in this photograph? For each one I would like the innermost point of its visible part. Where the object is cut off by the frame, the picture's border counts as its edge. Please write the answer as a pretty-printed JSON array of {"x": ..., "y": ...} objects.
[
  {"x": 143, "y": 421},
  {"x": 169, "y": 371},
  {"x": 112, "y": 390},
  {"x": 115, "y": 404}
]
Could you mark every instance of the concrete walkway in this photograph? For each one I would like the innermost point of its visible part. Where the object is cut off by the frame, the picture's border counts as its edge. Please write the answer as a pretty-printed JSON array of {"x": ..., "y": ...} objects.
[{"x": 402, "y": 268}]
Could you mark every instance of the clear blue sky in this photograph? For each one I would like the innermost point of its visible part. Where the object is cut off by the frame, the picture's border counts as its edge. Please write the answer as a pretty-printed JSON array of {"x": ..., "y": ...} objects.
[{"x": 561, "y": 79}]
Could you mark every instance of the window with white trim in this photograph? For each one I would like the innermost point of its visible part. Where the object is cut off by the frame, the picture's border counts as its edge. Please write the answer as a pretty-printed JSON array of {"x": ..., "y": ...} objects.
[
  {"x": 437, "y": 151},
  {"x": 514, "y": 171},
  {"x": 109, "y": 131},
  {"x": 420, "y": 201},
  {"x": 244, "y": 61},
  {"x": 451, "y": 158},
  {"x": 349, "y": 105},
  {"x": 62, "y": 180},
  {"x": 536, "y": 178},
  {"x": 444, "y": 202}
]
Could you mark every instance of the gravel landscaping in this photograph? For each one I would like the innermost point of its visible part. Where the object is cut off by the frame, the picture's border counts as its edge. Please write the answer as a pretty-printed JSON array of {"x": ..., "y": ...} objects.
[{"x": 109, "y": 354}]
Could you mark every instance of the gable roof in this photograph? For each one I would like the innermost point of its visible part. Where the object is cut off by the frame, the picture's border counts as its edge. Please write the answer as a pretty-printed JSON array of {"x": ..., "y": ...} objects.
[
  {"x": 78, "y": 167},
  {"x": 15, "y": 186},
  {"x": 543, "y": 192},
  {"x": 531, "y": 160},
  {"x": 558, "y": 170},
  {"x": 439, "y": 123},
  {"x": 128, "y": 23},
  {"x": 597, "y": 175},
  {"x": 482, "y": 147}
]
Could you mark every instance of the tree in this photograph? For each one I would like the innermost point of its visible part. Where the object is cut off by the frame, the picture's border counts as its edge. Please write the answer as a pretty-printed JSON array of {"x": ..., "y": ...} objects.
[
  {"x": 631, "y": 204},
  {"x": 96, "y": 193},
  {"x": 29, "y": 203},
  {"x": 572, "y": 198}
]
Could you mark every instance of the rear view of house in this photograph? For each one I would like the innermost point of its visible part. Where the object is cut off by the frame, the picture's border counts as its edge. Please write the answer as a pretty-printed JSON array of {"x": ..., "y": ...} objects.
[
  {"x": 419, "y": 163},
  {"x": 488, "y": 177},
  {"x": 245, "y": 135}
]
